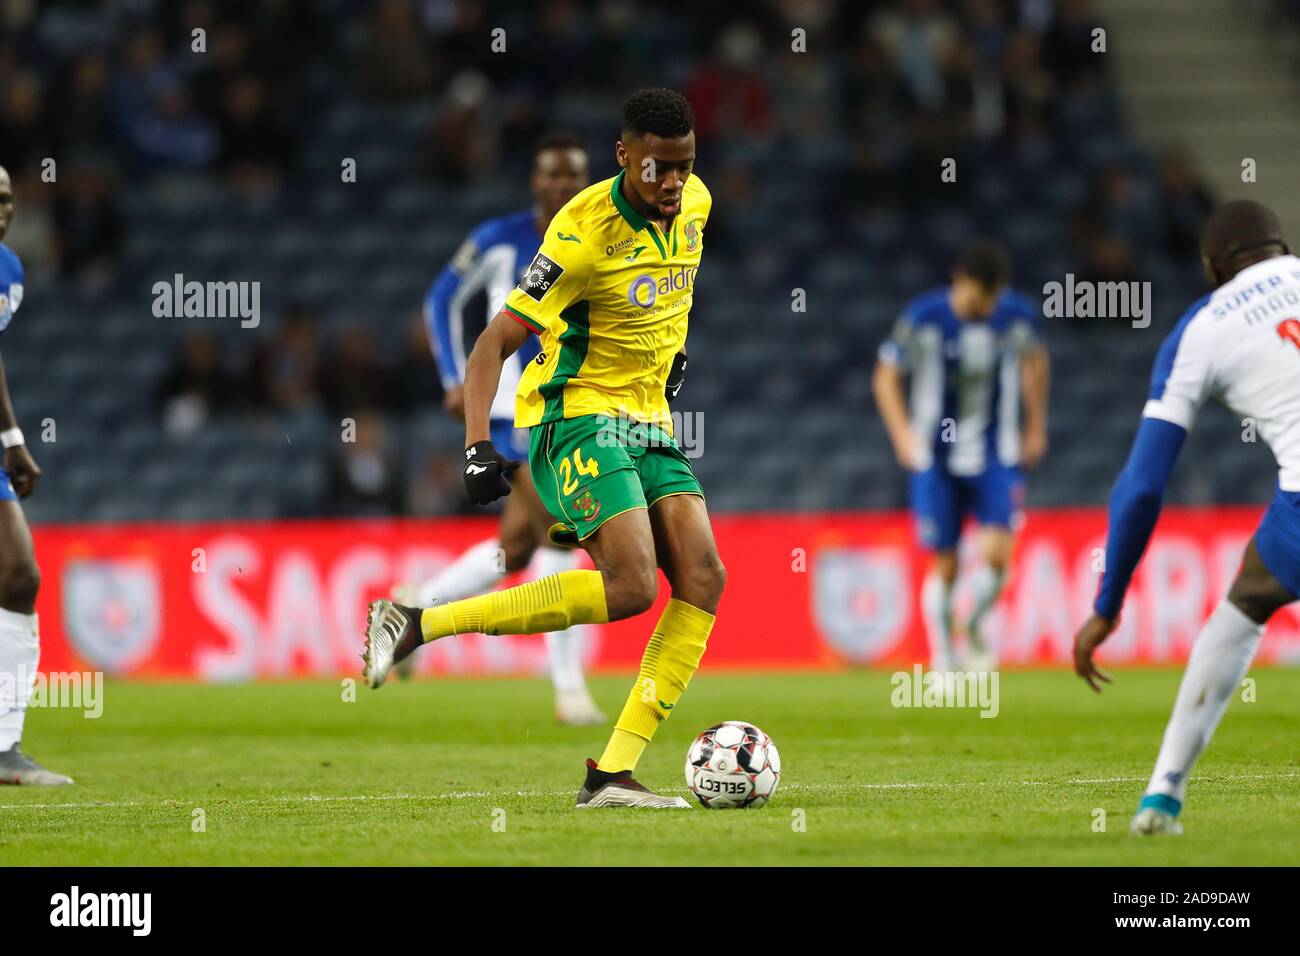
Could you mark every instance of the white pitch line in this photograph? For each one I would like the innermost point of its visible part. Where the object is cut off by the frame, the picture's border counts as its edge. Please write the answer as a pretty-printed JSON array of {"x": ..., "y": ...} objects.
[{"x": 486, "y": 794}]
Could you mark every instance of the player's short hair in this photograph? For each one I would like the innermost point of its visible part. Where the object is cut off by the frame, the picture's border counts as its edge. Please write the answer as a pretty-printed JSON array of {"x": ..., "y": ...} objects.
[
  {"x": 557, "y": 139},
  {"x": 987, "y": 262},
  {"x": 1237, "y": 229},
  {"x": 658, "y": 112}
]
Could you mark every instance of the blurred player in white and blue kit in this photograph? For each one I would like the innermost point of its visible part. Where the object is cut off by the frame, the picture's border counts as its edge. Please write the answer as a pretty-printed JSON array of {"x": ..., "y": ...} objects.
[
  {"x": 20, "y": 579},
  {"x": 975, "y": 354},
  {"x": 465, "y": 296},
  {"x": 1241, "y": 346}
]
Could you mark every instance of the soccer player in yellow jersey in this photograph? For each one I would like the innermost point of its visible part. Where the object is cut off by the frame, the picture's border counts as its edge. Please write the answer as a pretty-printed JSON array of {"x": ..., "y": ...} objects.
[{"x": 609, "y": 293}]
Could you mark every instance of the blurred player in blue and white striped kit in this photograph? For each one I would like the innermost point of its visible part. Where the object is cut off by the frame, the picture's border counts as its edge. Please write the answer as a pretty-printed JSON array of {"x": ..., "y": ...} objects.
[
  {"x": 468, "y": 292},
  {"x": 975, "y": 354},
  {"x": 20, "y": 578}
]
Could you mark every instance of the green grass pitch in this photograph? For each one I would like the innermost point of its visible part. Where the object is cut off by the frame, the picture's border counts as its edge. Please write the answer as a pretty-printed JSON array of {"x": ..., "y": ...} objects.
[{"x": 476, "y": 772}]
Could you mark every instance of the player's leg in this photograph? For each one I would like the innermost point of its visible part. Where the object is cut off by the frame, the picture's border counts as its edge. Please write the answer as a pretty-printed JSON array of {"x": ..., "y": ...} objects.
[
  {"x": 1218, "y": 662},
  {"x": 684, "y": 547},
  {"x": 589, "y": 484},
  {"x": 625, "y": 546},
  {"x": 936, "y": 509},
  {"x": 936, "y": 607},
  {"x": 20, "y": 580},
  {"x": 482, "y": 566},
  {"x": 686, "y": 551},
  {"x": 524, "y": 528},
  {"x": 998, "y": 497}
]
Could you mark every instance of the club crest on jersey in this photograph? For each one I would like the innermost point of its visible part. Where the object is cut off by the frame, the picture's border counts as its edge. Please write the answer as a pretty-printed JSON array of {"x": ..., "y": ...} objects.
[
  {"x": 9, "y": 304},
  {"x": 587, "y": 504},
  {"x": 692, "y": 232},
  {"x": 539, "y": 277}
]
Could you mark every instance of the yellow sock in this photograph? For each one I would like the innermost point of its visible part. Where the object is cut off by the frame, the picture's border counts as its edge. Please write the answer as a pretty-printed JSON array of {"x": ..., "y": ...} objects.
[
  {"x": 552, "y": 603},
  {"x": 670, "y": 659}
]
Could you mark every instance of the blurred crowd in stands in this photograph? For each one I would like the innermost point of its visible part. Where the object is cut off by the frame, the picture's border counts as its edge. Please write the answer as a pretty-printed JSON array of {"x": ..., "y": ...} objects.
[{"x": 819, "y": 123}]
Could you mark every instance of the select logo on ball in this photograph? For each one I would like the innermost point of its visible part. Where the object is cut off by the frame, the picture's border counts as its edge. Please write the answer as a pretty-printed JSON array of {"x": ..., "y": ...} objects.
[{"x": 733, "y": 766}]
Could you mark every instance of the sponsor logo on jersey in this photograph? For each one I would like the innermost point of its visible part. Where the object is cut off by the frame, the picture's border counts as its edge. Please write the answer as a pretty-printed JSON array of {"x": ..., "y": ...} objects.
[
  {"x": 539, "y": 277},
  {"x": 635, "y": 252},
  {"x": 647, "y": 287},
  {"x": 617, "y": 247}
]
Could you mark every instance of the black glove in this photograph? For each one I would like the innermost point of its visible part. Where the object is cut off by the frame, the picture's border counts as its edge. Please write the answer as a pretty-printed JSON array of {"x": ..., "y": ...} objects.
[
  {"x": 485, "y": 473},
  {"x": 676, "y": 376}
]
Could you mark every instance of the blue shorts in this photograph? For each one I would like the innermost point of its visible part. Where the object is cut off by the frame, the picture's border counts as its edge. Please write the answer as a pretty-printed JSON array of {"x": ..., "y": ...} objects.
[
  {"x": 1278, "y": 539},
  {"x": 7, "y": 492},
  {"x": 941, "y": 502},
  {"x": 509, "y": 440}
]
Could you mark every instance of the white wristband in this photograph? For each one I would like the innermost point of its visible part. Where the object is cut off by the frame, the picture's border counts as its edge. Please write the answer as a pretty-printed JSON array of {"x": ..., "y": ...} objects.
[{"x": 11, "y": 436}]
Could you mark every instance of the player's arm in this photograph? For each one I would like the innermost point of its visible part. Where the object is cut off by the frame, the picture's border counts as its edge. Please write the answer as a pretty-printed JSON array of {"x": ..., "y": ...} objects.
[
  {"x": 1135, "y": 506},
  {"x": 445, "y": 320},
  {"x": 1180, "y": 381},
  {"x": 887, "y": 384},
  {"x": 18, "y": 461},
  {"x": 500, "y": 340},
  {"x": 1035, "y": 380},
  {"x": 556, "y": 278},
  {"x": 485, "y": 467}
]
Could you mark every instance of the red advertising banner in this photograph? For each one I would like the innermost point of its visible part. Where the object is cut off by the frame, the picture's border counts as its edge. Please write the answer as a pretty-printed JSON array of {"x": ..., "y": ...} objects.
[{"x": 243, "y": 601}]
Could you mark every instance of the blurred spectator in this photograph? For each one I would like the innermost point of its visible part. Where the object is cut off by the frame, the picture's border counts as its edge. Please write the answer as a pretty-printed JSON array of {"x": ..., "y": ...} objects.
[
  {"x": 283, "y": 372},
  {"x": 439, "y": 488},
  {"x": 140, "y": 71},
  {"x": 24, "y": 138},
  {"x": 418, "y": 384},
  {"x": 196, "y": 387},
  {"x": 365, "y": 475},
  {"x": 396, "y": 61},
  {"x": 32, "y": 232},
  {"x": 462, "y": 142},
  {"x": 353, "y": 378},
  {"x": 1067, "y": 46},
  {"x": 254, "y": 147},
  {"x": 169, "y": 134},
  {"x": 730, "y": 94},
  {"x": 1185, "y": 201},
  {"x": 83, "y": 120},
  {"x": 917, "y": 35},
  {"x": 89, "y": 224}
]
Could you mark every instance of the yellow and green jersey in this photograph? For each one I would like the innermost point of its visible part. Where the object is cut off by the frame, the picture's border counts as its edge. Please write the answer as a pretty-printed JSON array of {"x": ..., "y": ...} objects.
[{"x": 609, "y": 293}]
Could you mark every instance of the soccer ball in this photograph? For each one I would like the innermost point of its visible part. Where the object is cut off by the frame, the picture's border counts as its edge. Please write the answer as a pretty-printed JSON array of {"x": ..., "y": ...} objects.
[{"x": 733, "y": 765}]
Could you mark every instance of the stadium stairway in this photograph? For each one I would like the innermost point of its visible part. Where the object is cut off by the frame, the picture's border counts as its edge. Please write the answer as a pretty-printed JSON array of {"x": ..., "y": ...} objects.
[{"x": 1216, "y": 77}]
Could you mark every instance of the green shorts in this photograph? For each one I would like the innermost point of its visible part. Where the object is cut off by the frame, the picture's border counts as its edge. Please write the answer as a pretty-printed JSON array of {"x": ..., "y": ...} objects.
[{"x": 589, "y": 469}]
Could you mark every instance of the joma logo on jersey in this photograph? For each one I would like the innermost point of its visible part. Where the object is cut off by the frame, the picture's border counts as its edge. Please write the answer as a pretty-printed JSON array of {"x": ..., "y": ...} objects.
[
  {"x": 646, "y": 288},
  {"x": 539, "y": 277}
]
